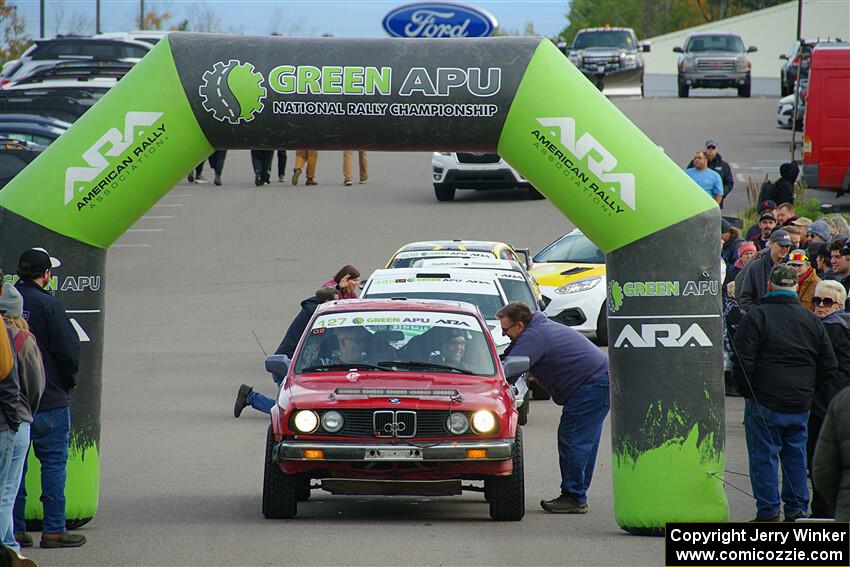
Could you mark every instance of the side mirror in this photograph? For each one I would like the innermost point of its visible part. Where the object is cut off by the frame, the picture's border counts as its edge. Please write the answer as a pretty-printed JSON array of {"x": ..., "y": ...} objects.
[
  {"x": 514, "y": 367},
  {"x": 678, "y": 49},
  {"x": 752, "y": 49},
  {"x": 645, "y": 46},
  {"x": 277, "y": 364},
  {"x": 526, "y": 254},
  {"x": 783, "y": 57}
]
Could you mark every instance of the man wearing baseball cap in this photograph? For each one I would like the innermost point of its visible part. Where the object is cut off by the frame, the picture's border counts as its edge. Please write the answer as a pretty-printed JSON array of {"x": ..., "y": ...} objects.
[
  {"x": 766, "y": 225},
  {"x": 51, "y": 427},
  {"x": 716, "y": 163},
  {"x": 807, "y": 278},
  {"x": 755, "y": 274},
  {"x": 784, "y": 355},
  {"x": 763, "y": 207}
]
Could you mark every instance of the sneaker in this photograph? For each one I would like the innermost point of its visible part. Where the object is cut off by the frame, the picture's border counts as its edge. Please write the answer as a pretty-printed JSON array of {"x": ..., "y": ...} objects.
[
  {"x": 296, "y": 173},
  {"x": 258, "y": 180},
  {"x": 242, "y": 399},
  {"x": 190, "y": 178},
  {"x": 280, "y": 178},
  {"x": 768, "y": 519},
  {"x": 201, "y": 179},
  {"x": 311, "y": 182},
  {"x": 217, "y": 179},
  {"x": 364, "y": 181},
  {"x": 24, "y": 539},
  {"x": 795, "y": 517},
  {"x": 14, "y": 559},
  {"x": 65, "y": 539},
  {"x": 564, "y": 504},
  {"x": 346, "y": 183}
]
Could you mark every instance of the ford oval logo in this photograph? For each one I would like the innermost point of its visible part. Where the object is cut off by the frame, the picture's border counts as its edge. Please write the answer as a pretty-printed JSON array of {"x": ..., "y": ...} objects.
[{"x": 439, "y": 19}]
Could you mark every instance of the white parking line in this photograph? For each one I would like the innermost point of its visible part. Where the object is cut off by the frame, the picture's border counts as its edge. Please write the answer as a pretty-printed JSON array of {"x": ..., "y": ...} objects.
[
  {"x": 150, "y": 217},
  {"x": 146, "y": 230}
]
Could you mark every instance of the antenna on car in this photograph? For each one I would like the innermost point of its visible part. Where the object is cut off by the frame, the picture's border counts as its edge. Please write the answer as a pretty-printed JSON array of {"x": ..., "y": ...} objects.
[{"x": 256, "y": 338}]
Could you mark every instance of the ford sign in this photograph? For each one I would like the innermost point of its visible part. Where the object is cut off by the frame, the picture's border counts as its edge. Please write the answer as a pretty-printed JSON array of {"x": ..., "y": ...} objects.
[{"x": 439, "y": 19}]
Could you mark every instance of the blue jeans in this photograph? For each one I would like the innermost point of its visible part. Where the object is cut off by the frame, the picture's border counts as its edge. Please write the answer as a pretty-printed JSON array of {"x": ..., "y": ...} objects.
[
  {"x": 10, "y": 487},
  {"x": 775, "y": 438},
  {"x": 261, "y": 402},
  {"x": 7, "y": 451},
  {"x": 579, "y": 433},
  {"x": 50, "y": 432}
]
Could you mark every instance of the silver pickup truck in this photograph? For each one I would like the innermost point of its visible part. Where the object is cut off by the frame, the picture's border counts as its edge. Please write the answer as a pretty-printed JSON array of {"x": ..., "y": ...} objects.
[{"x": 714, "y": 61}]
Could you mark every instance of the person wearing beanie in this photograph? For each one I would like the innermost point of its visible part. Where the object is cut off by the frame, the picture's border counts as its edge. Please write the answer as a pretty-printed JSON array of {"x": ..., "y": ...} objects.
[
  {"x": 817, "y": 232},
  {"x": 807, "y": 278},
  {"x": 731, "y": 238},
  {"x": 32, "y": 381},
  {"x": 51, "y": 427},
  {"x": 785, "y": 356}
]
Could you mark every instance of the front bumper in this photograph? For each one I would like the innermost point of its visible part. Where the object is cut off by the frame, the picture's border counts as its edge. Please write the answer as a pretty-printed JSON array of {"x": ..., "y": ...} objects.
[
  {"x": 577, "y": 310},
  {"x": 496, "y": 450},
  {"x": 621, "y": 82},
  {"x": 714, "y": 80}
]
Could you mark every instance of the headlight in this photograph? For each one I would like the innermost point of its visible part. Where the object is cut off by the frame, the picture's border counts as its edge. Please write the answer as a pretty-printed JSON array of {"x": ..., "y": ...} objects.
[
  {"x": 580, "y": 285},
  {"x": 742, "y": 64},
  {"x": 629, "y": 61},
  {"x": 306, "y": 421},
  {"x": 576, "y": 59},
  {"x": 332, "y": 421},
  {"x": 684, "y": 64},
  {"x": 457, "y": 423},
  {"x": 483, "y": 421},
  {"x": 442, "y": 153}
]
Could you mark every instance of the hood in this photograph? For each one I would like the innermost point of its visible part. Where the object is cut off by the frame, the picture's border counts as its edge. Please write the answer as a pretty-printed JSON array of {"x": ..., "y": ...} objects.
[
  {"x": 789, "y": 172},
  {"x": 600, "y": 51},
  {"x": 556, "y": 274},
  {"x": 315, "y": 391},
  {"x": 715, "y": 54}
]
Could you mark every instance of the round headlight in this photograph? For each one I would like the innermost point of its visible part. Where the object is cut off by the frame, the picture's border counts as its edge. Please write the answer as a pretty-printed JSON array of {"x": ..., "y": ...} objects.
[
  {"x": 332, "y": 421},
  {"x": 483, "y": 421},
  {"x": 306, "y": 421},
  {"x": 457, "y": 423}
]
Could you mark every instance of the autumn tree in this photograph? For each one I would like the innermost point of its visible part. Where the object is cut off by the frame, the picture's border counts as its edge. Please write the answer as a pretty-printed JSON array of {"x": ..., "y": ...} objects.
[{"x": 13, "y": 30}]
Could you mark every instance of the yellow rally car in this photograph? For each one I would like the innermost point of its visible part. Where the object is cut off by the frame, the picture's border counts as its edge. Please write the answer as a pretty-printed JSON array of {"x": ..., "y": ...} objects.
[{"x": 571, "y": 274}]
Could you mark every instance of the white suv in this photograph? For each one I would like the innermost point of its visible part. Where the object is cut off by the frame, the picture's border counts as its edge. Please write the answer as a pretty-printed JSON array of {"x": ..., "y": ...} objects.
[{"x": 471, "y": 170}]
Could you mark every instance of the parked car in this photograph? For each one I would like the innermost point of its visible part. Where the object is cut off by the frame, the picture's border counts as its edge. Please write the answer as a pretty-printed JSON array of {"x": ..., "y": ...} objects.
[
  {"x": 62, "y": 49},
  {"x": 65, "y": 104},
  {"x": 148, "y": 36},
  {"x": 370, "y": 405},
  {"x": 796, "y": 63},
  {"x": 479, "y": 171},
  {"x": 572, "y": 277},
  {"x": 785, "y": 109},
  {"x": 74, "y": 70},
  {"x": 30, "y": 132},
  {"x": 610, "y": 58},
  {"x": 14, "y": 156},
  {"x": 35, "y": 119},
  {"x": 826, "y": 136},
  {"x": 713, "y": 60}
]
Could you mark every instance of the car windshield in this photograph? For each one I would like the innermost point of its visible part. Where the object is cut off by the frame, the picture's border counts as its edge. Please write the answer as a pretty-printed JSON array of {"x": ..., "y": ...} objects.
[
  {"x": 398, "y": 341},
  {"x": 573, "y": 247},
  {"x": 407, "y": 258},
  {"x": 620, "y": 39},
  {"x": 725, "y": 43},
  {"x": 516, "y": 289}
]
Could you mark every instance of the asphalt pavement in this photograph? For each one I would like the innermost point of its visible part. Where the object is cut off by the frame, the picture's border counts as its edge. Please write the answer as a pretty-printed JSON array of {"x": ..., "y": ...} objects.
[{"x": 210, "y": 268}]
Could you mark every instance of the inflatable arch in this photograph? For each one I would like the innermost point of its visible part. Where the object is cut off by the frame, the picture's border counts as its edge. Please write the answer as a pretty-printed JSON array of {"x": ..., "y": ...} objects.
[{"x": 517, "y": 96}]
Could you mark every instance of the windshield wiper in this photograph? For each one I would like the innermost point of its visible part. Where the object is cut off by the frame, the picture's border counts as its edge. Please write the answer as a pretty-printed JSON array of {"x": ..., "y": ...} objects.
[
  {"x": 417, "y": 364},
  {"x": 345, "y": 366}
]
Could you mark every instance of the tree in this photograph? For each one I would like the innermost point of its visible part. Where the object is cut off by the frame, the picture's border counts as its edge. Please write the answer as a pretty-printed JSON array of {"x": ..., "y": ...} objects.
[
  {"x": 13, "y": 31},
  {"x": 157, "y": 15},
  {"x": 202, "y": 18}
]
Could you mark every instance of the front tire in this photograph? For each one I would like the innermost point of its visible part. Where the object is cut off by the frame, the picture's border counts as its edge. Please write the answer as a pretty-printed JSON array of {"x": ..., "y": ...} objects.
[
  {"x": 444, "y": 192},
  {"x": 745, "y": 89},
  {"x": 507, "y": 493},
  {"x": 534, "y": 194},
  {"x": 280, "y": 490},
  {"x": 683, "y": 90}
]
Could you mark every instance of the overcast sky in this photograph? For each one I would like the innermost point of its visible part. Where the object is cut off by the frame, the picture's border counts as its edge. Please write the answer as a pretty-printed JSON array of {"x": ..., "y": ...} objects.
[{"x": 342, "y": 18}]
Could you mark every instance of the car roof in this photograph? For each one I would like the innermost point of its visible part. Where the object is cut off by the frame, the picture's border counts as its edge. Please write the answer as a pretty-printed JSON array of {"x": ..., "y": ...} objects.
[
  {"x": 472, "y": 263},
  {"x": 396, "y": 305},
  {"x": 604, "y": 29},
  {"x": 427, "y": 272},
  {"x": 473, "y": 245},
  {"x": 695, "y": 34},
  {"x": 96, "y": 83}
]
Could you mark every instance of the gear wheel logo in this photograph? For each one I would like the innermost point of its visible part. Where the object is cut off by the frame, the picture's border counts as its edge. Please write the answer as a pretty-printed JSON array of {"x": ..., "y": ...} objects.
[
  {"x": 233, "y": 92},
  {"x": 615, "y": 296}
]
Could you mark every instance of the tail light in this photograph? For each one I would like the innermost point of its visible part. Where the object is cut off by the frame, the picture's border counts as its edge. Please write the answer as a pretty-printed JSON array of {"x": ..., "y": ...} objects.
[
  {"x": 795, "y": 61},
  {"x": 807, "y": 146}
]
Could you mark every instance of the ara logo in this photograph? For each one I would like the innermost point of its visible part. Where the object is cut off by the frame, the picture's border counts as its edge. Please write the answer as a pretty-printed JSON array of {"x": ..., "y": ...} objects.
[
  {"x": 663, "y": 334},
  {"x": 589, "y": 147},
  {"x": 95, "y": 156},
  {"x": 232, "y": 92}
]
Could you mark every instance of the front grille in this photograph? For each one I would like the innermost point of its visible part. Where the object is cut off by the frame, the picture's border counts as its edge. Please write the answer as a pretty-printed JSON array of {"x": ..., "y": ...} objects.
[
  {"x": 724, "y": 65},
  {"x": 593, "y": 63},
  {"x": 477, "y": 158},
  {"x": 372, "y": 423}
]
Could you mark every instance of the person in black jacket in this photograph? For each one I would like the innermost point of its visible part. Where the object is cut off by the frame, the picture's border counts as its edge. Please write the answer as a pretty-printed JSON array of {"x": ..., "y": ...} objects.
[
  {"x": 828, "y": 303},
  {"x": 754, "y": 276},
  {"x": 716, "y": 163},
  {"x": 784, "y": 357},
  {"x": 246, "y": 396},
  {"x": 51, "y": 426},
  {"x": 782, "y": 191}
]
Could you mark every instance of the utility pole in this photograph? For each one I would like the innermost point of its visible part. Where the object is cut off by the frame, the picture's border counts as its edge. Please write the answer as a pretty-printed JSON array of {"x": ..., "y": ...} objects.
[
  {"x": 41, "y": 19},
  {"x": 799, "y": 19},
  {"x": 142, "y": 15},
  {"x": 97, "y": 17}
]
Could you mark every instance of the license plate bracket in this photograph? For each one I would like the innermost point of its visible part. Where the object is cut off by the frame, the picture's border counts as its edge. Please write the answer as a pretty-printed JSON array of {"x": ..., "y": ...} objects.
[{"x": 394, "y": 454}]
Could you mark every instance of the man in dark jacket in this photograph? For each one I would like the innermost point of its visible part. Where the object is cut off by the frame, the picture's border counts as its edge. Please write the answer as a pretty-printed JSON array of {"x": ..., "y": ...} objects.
[
  {"x": 831, "y": 464},
  {"x": 575, "y": 373},
  {"x": 246, "y": 396},
  {"x": 753, "y": 278},
  {"x": 51, "y": 426},
  {"x": 784, "y": 356},
  {"x": 716, "y": 163},
  {"x": 763, "y": 207},
  {"x": 767, "y": 224}
]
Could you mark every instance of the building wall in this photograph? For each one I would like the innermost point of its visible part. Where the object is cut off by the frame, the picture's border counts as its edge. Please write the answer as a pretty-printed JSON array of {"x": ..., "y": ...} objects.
[{"x": 772, "y": 30}]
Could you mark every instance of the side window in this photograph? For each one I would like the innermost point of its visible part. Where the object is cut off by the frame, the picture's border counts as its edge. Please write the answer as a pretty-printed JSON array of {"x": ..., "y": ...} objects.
[
  {"x": 10, "y": 165},
  {"x": 134, "y": 51},
  {"x": 506, "y": 254}
]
